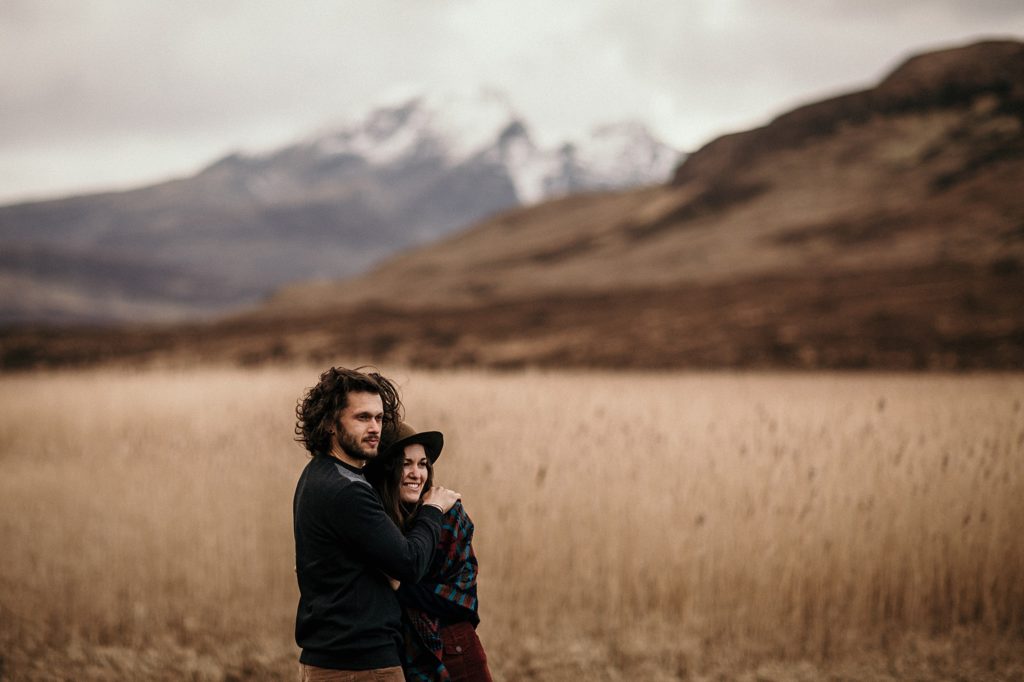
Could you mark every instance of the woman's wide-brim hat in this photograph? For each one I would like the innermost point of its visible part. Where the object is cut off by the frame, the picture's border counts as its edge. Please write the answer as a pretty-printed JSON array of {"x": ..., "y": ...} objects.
[{"x": 432, "y": 442}]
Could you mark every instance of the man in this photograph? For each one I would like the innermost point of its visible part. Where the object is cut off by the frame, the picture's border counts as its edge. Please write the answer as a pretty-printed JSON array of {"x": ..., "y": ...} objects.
[{"x": 348, "y": 623}]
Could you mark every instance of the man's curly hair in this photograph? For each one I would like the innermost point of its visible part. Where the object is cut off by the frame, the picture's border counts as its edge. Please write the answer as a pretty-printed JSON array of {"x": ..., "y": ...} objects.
[{"x": 317, "y": 411}]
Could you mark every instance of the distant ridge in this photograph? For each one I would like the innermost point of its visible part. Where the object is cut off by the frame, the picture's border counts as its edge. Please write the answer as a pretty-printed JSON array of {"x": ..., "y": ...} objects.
[
  {"x": 882, "y": 229},
  {"x": 932, "y": 81},
  {"x": 328, "y": 206}
]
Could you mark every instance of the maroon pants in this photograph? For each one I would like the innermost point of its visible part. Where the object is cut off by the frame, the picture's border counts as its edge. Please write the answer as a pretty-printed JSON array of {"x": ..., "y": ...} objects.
[{"x": 463, "y": 654}]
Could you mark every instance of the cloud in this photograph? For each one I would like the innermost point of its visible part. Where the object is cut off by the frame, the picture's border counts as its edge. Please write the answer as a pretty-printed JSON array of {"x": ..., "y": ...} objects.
[{"x": 197, "y": 78}]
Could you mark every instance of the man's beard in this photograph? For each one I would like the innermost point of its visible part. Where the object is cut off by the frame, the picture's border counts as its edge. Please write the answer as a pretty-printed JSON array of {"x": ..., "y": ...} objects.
[{"x": 352, "y": 447}]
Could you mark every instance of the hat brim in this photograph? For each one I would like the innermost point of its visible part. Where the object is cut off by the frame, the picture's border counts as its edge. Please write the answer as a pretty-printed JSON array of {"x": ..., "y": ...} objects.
[{"x": 432, "y": 442}]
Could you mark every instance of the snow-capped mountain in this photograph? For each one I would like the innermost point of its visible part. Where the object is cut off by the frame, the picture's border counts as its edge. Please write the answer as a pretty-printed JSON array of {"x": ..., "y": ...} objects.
[
  {"x": 453, "y": 127},
  {"x": 328, "y": 206},
  {"x": 486, "y": 128},
  {"x": 623, "y": 155}
]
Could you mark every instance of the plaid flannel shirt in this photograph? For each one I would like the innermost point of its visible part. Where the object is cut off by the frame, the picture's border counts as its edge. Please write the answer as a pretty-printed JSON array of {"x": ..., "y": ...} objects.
[{"x": 452, "y": 577}]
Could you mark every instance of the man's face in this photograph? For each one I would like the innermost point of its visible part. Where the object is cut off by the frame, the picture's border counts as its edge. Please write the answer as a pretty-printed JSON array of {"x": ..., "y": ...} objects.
[{"x": 359, "y": 426}]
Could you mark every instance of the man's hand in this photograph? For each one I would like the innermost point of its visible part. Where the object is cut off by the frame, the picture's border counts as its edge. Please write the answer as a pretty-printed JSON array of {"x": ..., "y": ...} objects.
[{"x": 442, "y": 498}]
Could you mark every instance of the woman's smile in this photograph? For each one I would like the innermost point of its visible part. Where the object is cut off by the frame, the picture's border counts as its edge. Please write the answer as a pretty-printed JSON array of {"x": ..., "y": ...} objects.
[
  {"x": 414, "y": 473},
  {"x": 412, "y": 487}
]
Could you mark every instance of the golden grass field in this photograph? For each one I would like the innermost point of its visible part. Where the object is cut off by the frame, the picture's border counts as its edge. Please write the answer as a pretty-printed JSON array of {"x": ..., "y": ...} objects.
[{"x": 655, "y": 526}]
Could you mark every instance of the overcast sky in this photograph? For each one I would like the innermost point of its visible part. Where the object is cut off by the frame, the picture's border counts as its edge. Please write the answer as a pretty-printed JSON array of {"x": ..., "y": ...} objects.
[{"x": 103, "y": 94}]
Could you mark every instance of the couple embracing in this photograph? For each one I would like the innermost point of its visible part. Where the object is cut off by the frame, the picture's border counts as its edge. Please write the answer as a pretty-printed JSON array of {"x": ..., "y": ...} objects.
[{"x": 384, "y": 557}]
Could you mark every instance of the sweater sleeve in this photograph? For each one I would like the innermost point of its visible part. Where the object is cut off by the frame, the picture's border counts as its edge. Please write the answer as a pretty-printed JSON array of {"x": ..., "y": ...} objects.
[
  {"x": 422, "y": 597},
  {"x": 363, "y": 524}
]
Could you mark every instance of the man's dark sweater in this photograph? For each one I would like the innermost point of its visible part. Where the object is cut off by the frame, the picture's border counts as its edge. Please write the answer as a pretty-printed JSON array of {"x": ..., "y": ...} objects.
[{"x": 345, "y": 547}]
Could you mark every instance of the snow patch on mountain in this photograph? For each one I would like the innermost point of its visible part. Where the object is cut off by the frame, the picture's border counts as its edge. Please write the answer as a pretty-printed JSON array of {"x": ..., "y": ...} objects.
[
  {"x": 454, "y": 127},
  {"x": 610, "y": 157},
  {"x": 484, "y": 128},
  {"x": 624, "y": 154}
]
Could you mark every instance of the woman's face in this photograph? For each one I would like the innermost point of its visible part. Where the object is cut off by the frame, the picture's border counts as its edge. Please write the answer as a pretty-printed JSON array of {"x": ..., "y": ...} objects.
[{"x": 415, "y": 470}]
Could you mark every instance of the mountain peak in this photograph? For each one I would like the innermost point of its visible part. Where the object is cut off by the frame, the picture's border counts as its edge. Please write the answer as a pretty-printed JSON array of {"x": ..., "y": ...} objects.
[
  {"x": 454, "y": 126},
  {"x": 482, "y": 127},
  {"x": 623, "y": 154}
]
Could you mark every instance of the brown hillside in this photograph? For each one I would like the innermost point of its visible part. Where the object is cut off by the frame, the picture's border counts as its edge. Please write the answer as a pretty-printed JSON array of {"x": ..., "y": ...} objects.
[
  {"x": 924, "y": 170},
  {"x": 882, "y": 228}
]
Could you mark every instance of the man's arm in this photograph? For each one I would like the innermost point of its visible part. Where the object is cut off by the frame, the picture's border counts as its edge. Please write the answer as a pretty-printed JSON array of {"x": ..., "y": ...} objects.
[
  {"x": 362, "y": 522},
  {"x": 423, "y": 596}
]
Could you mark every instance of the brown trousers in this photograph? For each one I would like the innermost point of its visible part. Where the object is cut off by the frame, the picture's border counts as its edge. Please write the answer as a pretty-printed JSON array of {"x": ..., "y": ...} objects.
[{"x": 311, "y": 673}]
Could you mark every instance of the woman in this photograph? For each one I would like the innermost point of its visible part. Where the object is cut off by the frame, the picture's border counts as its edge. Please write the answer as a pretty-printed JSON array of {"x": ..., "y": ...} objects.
[{"x": 441, "y": 610}]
